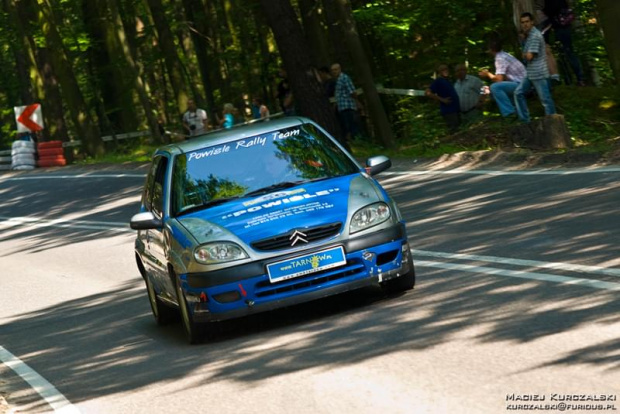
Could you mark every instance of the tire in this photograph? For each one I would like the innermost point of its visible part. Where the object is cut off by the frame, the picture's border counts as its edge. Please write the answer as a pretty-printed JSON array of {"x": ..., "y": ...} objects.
[
  {"x": 23, "y": 159},
  {"x": 23, "y": 167},
  {"x": 163, "y": 314},
  {"x": 20, "y": 143},
  {"x": 194, "y": 332},
  {"x": 46, "y": 152},
  {"x": 50, "y": 144},
  {"x": 402, "y": 283},
  {"x": 22, "y": 150},
  {"x": 51, "y": 162}
]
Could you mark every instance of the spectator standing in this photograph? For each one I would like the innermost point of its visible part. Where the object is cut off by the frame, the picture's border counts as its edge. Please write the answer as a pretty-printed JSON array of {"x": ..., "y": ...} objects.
[
  {"x": 285, "y": 94},
  {"x": 195, "y": 119},
  {"x": 329, "y": 83},
  {"x": 509, "y": 72},
  {"x": 346, "y": 104},
  {"x": 537, "y": 74},
  {"x": 469, "y": 89},
  {"x": 259, "y": 109},
  {"x": 442, "y": 91},
  {"x": 228, "y": 119},
  {"x": 555, "y": 13}
]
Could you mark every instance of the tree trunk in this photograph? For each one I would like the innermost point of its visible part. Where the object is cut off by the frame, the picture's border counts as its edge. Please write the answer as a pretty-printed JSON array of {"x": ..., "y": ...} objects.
[
  {"x": 53, "y": 112},
  {"x": 83, "y": 122},
  {"x": 310, "y": 99},
  {"x": 198, "y": 28},
  {"x": 169, "y": 50},
  {"x": 265, "y": 61},
  {"x": 609, "y": 16},
  {"x": 315, "y": 35},
  {"x": 378, "y": 117},
  {"x": 43, "y": 81},
  {"x": 549, "y": 132},
  {"x": 338, "y": 49},
  {"x": 30, "y": 83},
  {"x": 134, "y": 72},
  {"x": 109, "y": 71}
]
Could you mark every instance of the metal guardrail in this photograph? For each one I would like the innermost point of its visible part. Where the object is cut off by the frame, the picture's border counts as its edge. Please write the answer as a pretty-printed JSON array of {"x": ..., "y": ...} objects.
[
  {"x": 125, "y": 135},
  {"x": 108, "y": 138}
]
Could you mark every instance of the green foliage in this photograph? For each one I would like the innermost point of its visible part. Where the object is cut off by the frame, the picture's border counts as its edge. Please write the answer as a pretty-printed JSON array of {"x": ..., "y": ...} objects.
[
  {"x": 592, "y": 115},
  {"x": 588, "y": 41},
  {"x": 124, "y": 152},
  {"x": 404, "y": 40},
  {"x": 409, "y": 39}
]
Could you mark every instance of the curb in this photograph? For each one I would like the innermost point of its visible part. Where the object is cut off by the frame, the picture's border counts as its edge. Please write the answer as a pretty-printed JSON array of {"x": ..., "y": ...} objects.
[{"x": 510, "y": 159}]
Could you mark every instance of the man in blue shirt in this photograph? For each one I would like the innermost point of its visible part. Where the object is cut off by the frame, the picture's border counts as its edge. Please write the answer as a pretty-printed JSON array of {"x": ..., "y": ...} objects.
[
  {"x": 537, "y": 71},
  {"x": 442, "y": 91},
  {"x": 346, "y": 104}
]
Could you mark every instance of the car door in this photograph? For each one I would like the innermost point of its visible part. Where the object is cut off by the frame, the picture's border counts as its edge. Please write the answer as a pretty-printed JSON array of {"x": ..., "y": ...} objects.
[{"x": 156, "y": 262}]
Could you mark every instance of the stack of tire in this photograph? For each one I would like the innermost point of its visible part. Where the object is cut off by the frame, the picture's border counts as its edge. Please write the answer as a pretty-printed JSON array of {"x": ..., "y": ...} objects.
[
  {"x": 23, "y": 155},
  {"x": 51, "y": 154}
]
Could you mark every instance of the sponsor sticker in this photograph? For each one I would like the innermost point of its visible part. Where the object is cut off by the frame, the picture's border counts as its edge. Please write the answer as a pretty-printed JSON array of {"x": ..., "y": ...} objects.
[{"x": 306, "y": 264}]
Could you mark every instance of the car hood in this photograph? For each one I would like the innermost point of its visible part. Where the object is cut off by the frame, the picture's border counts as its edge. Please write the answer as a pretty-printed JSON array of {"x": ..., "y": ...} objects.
[{"x": 307, "y": 205}]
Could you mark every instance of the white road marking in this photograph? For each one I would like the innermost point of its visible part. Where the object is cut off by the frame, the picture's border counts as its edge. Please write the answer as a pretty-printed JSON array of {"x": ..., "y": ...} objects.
[
  {"x": 65, "y": 223},
  {"x": 454, "y": 171},
  {"x": 58, "y": 402},
  {"x": 458, "y": 171},
  {"x": 520, "y": 262},
  {"x": 597, "y": 284},
  {"x": 56, "y": 177}
]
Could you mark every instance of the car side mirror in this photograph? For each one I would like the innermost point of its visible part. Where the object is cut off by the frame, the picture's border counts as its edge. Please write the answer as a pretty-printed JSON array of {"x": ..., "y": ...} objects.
[
  {"x": 377, "y": 164},
  {"x": 145, "y": 221}
]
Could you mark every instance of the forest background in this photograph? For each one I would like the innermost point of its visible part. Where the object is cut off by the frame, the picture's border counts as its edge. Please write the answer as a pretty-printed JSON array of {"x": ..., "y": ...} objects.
[{"x": 107, "y": 67}]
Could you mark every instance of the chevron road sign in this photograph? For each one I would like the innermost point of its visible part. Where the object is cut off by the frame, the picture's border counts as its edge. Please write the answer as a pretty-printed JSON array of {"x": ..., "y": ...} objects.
[{"x": 29, "y": 118}]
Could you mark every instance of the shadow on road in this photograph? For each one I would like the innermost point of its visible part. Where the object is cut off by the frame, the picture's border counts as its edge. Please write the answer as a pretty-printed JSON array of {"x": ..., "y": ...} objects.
[
  {"x": 94, "y": 201},
  {"x": 119, "y": 347}
]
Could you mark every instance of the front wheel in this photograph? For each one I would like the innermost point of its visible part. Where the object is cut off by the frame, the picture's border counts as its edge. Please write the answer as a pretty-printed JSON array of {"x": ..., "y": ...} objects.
[
  {"x": 162, "y": 313},
  {"x": 194, "y": 332}
]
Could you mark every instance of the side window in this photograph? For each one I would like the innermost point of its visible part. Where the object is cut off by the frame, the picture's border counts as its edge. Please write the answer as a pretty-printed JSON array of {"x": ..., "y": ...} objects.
[
  {"x": 157, "y": 205},
  {"x": 147, "y": 196}
]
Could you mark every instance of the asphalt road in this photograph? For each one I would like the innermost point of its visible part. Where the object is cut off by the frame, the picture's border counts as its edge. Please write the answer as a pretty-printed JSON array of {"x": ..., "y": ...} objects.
[{"x": 516, "y": 301}]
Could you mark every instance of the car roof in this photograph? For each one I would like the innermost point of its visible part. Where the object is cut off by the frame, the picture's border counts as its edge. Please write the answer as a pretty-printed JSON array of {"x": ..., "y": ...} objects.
[{"x": 222, "y": 136}]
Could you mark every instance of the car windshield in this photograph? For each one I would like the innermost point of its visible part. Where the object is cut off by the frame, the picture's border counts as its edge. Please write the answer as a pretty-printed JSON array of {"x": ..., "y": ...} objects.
[{"x": 254, "y": 166}]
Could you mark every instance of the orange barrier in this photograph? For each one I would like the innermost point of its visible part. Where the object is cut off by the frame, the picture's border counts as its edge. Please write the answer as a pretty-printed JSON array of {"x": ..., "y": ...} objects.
[{"x": 51, "y": 154}]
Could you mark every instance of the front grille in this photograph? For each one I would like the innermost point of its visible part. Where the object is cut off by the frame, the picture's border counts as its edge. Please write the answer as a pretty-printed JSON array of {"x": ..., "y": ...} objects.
[
  {"x": 283, "y": 241},
  {"x": 352, "y": 268}
]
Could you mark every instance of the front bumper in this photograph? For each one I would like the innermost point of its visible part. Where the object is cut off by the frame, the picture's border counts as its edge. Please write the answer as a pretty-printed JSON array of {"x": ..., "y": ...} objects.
[{"x": 246, "y": 289}]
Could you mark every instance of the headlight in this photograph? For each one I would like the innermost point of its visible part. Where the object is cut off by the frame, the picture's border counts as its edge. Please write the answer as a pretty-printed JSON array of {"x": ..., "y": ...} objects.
[
  {"x": 219, "y": 252},
  {"x": 369, "y": 216}
]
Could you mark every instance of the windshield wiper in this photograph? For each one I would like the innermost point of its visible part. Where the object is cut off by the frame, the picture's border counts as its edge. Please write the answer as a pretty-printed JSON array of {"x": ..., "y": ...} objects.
[
  {"x": 273, "y": 187},
  {"x": 210, "y": 203}
]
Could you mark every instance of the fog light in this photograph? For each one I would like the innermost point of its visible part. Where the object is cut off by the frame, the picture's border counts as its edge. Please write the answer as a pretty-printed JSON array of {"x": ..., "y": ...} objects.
[{"x": 227, "y": 297}]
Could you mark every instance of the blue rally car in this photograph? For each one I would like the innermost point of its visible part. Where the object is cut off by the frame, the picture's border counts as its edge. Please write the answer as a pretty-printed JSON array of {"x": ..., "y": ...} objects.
[{"x": 260, "y": 217}]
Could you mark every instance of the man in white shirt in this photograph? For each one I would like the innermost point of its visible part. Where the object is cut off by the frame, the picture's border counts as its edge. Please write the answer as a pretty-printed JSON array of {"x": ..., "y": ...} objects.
[
  {"x": 468, "y": 89},
  {"x": 509, "y": 72},
  {"x": 195, "y": 119}
]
